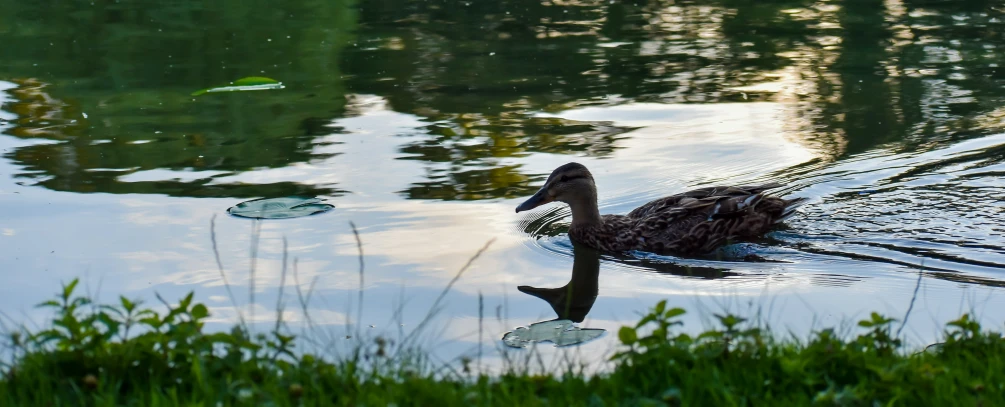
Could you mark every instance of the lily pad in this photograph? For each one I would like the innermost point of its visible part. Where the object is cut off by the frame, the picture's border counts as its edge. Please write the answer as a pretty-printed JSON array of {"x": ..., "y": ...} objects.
[
  {"x": 280, "y": 208},
  {"x": 249, "y": 83},
  {"x": 561, "y": 332}
]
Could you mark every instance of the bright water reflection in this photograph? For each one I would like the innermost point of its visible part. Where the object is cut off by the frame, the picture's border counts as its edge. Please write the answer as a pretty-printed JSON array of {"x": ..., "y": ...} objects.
[{"x": 426, "y": 123}]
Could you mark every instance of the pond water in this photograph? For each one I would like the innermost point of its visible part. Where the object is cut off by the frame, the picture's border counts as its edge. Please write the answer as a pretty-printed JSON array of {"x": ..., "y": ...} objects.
[{"x": 426, "y": 123}]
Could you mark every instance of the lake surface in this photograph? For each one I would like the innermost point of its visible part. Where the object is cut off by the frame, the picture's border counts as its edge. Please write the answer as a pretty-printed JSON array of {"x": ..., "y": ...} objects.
[{"x": 426, "y": 123}]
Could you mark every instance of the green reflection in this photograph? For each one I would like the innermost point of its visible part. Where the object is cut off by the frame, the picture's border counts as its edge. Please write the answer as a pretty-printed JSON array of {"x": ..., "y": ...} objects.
[
  {"x": 853, "y": 74},
  {"x": 112, "y": 81}
]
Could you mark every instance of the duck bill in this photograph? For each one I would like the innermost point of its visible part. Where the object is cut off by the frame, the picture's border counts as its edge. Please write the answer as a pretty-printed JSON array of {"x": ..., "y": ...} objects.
[{"x": 540, "y": 198}]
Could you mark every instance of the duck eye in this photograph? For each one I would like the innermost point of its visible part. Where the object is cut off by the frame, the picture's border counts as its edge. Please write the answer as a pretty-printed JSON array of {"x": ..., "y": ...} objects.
[{"x": 562, "y": 178}]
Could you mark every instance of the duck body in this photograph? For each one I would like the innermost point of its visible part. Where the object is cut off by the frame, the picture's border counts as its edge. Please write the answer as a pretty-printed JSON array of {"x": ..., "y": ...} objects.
[{"x": 692, "y": 222}]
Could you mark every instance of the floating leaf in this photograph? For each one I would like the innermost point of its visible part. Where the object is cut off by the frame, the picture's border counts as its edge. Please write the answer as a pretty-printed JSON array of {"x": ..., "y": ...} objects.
[
  {"x": 561, "y": 332},
  {"x": 249, "y": 83},
  {"x": 280, "y": 208}
]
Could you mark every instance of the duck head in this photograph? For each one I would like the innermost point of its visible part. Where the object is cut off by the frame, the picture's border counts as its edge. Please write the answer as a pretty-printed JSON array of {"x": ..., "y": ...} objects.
[{"x": 571, "y": 183}]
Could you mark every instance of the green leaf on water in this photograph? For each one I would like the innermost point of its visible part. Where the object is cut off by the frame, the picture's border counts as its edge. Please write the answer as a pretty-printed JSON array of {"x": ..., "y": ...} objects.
[
  {"x": 249, "y": 83},
  {"x": 280, "y": 208}
]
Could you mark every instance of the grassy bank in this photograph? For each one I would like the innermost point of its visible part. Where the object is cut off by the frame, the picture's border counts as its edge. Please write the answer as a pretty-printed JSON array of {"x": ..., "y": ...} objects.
[{"x": 125, "y": 354}]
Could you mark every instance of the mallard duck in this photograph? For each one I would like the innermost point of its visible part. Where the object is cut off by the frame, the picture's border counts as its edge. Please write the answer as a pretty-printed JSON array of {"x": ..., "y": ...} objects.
[{"x": 692, "y": 222}]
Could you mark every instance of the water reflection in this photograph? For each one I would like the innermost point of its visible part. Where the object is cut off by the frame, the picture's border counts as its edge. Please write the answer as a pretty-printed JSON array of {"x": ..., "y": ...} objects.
[
  {"x": 117, "y": 108},
  {"x": 937, "y": 210},
  {"x": 457, "y": 150},
  {"x": 855, "y": 75},
  {"x": 571, "y": 303},
  {"x": 423, "y": 119},
  {"x": 573, "y": 300}
]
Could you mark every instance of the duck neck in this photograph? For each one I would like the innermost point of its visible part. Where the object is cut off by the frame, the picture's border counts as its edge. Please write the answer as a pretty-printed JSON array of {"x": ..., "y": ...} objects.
[{"x": 585, "y": 212}]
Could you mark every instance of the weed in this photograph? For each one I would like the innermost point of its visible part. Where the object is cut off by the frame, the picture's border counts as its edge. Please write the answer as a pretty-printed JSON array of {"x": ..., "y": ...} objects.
[{"x": 126, "y": 354}]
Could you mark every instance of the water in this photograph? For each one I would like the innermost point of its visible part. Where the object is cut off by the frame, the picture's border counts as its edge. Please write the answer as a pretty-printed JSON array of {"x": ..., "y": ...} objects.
[{"x": 426, "y": 123}]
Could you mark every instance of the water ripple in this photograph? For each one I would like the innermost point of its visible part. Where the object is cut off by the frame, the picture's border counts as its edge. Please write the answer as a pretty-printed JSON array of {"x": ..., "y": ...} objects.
[{"x": 937, "y": 210}]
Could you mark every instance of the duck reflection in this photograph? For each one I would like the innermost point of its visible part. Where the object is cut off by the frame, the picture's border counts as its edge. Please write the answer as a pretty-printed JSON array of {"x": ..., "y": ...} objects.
[
  {"x": 575, "y": 299},
  {"x": 571, "y": 302}
]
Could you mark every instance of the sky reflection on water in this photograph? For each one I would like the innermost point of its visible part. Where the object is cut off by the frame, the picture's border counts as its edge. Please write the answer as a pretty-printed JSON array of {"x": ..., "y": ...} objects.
[{"x": 425, "y": 125}]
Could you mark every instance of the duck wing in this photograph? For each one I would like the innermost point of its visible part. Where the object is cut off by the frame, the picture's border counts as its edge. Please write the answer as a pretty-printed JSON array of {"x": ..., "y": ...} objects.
[
  {"x": 721, "y": 200},
  {"x": 700, "y": 220}
]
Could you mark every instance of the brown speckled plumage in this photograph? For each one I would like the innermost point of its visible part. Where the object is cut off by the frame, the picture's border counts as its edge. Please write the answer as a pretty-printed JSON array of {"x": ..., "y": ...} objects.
[{"x": 691, "y": 222}]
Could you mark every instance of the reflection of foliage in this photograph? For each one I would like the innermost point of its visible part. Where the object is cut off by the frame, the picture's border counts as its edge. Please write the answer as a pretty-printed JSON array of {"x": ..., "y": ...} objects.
[
  {"x": 40, "y": 115},
  {"x": 496, "y": 182},
  {"x": 457, "y": 142},
  {"x": 476, "y": 137},
  {"x": 131, "y": 79},
  {"x": 850, "y": 70},
  {"x": 853, "y": 75},
  {"x": 520, "y": 55}
]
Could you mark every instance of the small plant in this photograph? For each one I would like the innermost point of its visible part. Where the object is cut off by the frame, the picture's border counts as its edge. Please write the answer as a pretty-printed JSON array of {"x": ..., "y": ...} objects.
[
  {"x": 738, "y": 365},
  {"x": 125, "y": 348},
  {"x": 128, "y": 354}
]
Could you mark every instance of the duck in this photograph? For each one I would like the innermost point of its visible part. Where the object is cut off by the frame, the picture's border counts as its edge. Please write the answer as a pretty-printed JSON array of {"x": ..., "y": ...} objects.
[{"x": 689, "y": 223}]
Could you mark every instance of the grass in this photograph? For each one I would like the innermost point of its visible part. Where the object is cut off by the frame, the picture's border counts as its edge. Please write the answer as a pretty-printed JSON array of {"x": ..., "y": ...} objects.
[{"x": 127, "y": 354}]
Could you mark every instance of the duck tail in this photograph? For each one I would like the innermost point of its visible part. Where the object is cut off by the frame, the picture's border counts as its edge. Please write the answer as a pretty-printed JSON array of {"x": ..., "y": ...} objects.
[{"x": 790, "y": 208}]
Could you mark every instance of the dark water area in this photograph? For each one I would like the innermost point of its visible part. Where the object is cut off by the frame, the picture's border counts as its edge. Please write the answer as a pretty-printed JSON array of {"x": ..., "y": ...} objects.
[{"x": 425, "y": 123}]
